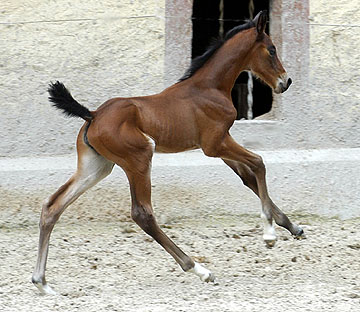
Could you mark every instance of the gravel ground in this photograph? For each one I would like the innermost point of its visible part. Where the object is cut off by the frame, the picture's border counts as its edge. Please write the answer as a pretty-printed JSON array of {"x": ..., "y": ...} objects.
[{"x": 104, "y": 262}]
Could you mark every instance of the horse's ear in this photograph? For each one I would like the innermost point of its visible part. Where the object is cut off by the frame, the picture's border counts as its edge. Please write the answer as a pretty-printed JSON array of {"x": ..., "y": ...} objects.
[{"x": 260, "y": 21}]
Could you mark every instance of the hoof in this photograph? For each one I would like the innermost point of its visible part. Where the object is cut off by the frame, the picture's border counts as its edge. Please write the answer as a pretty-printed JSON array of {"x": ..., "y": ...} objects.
[
  {"x": 210, "y": 278},
  {"x": 270, "y": 243},
  {"x": 269, "y": 240},
  {"x": 204, "y": 274},
  {"x": 300, "y": 234},
  {"x": 44, "y": 288}
]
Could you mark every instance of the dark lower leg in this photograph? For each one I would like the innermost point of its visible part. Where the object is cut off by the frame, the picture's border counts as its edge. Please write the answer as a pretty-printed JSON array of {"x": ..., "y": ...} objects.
[
  {"x": 143, "y": 215},
  {"x": 282, "y": 220},
  {"x": 249, "y": 179},
  {"x": 270, "y": 209},
  {"x": 255, "y": 182}
]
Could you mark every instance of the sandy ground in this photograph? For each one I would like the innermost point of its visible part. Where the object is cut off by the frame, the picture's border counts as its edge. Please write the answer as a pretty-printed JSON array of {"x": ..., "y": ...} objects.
[{"x": 102, "y": 262}]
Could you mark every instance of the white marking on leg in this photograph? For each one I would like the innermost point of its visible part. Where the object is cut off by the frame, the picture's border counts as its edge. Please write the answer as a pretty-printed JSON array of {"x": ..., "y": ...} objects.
[
  {"x": 269, "y": 231},
  {"x": 204, "y": 274},
  {"x": 45, "y": 289},
  {"x": 91, "y": 169}
]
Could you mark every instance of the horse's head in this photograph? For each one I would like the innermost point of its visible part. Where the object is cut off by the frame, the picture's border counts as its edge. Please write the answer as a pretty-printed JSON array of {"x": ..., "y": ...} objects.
[{"x": 264, "y": 61}]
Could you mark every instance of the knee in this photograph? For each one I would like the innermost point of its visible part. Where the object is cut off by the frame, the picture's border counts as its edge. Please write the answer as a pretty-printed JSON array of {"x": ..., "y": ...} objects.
[{"x": 257, "y": 164}]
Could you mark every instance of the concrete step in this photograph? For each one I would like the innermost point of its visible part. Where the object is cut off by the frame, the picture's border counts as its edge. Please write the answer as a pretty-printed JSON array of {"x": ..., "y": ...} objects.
[{"x": 320, "y": 182}]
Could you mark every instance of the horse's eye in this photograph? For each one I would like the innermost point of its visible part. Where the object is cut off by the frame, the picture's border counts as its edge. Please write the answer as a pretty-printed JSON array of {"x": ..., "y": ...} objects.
[{"x": 272, "y": 51}]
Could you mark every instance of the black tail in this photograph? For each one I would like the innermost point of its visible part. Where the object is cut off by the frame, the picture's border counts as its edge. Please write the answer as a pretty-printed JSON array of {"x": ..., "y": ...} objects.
[{"x": 62, "y": 99}]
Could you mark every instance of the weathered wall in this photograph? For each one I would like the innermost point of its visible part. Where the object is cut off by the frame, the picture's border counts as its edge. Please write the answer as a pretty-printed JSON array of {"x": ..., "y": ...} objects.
[
  {"x": 317, "y": 44},
  {"x": 322, "y": 110},
  {"x": 107, "y": 49},
  {"x": 335, "y": 72},
  {"x": 178, "y": 37},
  {"x": 100, "y": 49}
]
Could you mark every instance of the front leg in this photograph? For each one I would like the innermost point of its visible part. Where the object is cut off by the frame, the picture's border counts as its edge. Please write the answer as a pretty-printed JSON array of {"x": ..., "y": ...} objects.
[
  {"x": 249, "y": 179},
  {"x": 251, "y": 169}
]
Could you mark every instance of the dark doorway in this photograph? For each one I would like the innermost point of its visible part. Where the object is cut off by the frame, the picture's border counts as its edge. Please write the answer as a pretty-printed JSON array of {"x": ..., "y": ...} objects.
[{"x": 211, "y": 20}]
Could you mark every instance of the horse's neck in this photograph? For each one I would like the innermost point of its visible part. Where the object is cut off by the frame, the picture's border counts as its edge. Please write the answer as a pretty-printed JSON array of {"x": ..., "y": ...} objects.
[{"x": 222, "y": 70}]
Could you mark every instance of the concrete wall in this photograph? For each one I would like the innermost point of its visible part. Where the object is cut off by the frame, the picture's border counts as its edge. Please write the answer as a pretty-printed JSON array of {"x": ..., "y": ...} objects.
[
  {"x": 139, "y": 47},
  {"x": 317, "y": 44},
  {"x": 100, "y": 49},
  {"x": 334, "y": 72}
]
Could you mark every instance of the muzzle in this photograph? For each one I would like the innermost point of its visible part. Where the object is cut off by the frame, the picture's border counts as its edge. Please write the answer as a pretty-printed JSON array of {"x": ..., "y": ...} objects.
[{"x": 283, "y": 84}]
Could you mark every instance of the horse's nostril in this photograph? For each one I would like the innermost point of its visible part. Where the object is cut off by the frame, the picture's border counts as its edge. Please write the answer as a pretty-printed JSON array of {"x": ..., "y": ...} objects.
[{"x": 289, "y": 82}]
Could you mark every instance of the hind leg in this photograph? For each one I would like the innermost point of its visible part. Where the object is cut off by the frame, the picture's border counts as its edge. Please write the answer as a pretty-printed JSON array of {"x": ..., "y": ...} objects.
[
  {"x": 92, "y": 168},
  {"x": 142, "y": 214},
  {"x": 133, "y": 153}
]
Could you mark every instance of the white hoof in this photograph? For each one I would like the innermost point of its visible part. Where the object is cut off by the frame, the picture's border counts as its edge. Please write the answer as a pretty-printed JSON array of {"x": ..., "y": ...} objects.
[
  {"x": 270, "y": 240},
  {"x": 45, "y": 289},
  {"x": 204, "y": 274}
]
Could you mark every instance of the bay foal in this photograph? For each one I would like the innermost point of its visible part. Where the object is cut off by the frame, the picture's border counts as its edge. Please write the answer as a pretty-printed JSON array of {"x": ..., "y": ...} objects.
[{"x": 196, "y": 112}]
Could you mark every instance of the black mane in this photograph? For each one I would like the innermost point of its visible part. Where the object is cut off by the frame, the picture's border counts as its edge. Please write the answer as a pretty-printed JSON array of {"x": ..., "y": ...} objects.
[{"x": 199, "y": 61}]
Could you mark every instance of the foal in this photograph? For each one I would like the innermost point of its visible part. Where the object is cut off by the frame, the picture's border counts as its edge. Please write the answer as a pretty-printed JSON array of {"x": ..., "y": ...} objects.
[{"x": 196, "y": 112}]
